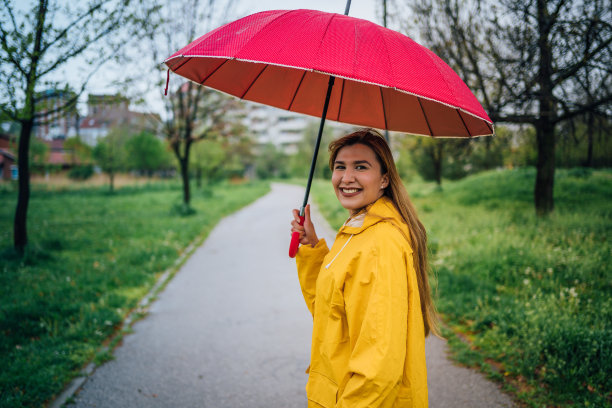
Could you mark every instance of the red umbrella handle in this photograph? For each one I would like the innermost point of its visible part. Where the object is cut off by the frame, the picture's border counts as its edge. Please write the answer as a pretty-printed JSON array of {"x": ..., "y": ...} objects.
[{"x": 295, "y": 240}]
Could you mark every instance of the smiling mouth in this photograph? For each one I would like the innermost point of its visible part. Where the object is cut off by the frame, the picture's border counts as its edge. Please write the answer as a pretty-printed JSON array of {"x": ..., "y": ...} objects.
[{"x": 349, "y": 190}]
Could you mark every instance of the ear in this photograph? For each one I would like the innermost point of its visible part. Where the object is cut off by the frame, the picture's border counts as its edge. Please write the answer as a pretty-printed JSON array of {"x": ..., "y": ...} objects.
[{"x": 384, "y": 182}]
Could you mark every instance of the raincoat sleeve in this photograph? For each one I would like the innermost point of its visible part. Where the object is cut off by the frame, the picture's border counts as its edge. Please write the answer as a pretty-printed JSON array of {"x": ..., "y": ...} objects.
[
  {"x": 376, "y": 302},
  {"x": 309, "y": 260}
]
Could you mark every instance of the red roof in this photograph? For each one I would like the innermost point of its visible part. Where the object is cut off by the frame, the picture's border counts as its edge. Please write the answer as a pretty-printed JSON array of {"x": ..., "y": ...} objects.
[{"x": 6, "y": 153}]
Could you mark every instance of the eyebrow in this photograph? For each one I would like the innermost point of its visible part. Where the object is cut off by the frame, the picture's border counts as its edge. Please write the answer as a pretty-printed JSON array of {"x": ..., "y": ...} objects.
[{"x": 355, "y": 162}]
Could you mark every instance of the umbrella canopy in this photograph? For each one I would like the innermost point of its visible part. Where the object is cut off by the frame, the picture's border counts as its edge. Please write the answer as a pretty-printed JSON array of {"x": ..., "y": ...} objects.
[
  {"x": 385, "y": 80},
  {"x": 335, "y": 67}
]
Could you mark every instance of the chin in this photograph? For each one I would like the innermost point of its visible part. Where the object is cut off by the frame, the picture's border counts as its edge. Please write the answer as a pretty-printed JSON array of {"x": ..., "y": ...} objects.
[{"x": 352, "y": 207}]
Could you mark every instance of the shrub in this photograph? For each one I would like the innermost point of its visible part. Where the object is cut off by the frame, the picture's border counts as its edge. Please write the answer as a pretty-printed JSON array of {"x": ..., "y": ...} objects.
[{"x": 82, "y": 172}]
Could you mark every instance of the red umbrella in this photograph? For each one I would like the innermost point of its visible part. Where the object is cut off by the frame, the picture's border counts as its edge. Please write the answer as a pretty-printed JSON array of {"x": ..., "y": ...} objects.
[{"x": 290, "y": 58}]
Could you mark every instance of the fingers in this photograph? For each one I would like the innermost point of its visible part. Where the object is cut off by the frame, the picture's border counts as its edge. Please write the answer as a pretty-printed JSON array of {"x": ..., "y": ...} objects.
[
  {"x": 295, "y": 224},
  {"x": 296, "y": 215},
  {"x": 305, "y": 228}
]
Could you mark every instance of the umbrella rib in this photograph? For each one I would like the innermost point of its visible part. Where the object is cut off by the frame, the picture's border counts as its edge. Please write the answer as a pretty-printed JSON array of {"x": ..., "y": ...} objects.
[
  {"x": 213, "y": 71},
  {"x": 185, "y": 60},
  {"x": 382, "y": 99},
  {"x": 463, "y": 121},
  {"x": 296, "y": 90},
  {"x": 253, "y": 82},
  {"x": 425, "y": 116}
]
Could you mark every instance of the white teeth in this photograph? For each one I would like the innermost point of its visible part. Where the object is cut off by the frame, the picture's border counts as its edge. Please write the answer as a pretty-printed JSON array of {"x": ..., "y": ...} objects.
[{"x": 349, "y": 190}]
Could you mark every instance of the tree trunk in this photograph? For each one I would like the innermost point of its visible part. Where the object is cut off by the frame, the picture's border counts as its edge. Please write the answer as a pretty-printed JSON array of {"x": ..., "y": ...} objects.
[
  {"x": 545, "y": 178},
  {"x": 20, "y": 233},
  {"x": 111, "y": 176},
  {"x": 185, "y": 176},
  {"x": 590, "y": 134},
  {"x": 545, "y": 125}
]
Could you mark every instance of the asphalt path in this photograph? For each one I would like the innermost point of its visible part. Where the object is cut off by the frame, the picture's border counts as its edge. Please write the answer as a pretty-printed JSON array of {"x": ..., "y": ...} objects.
[{"x": 231, "y": 329}]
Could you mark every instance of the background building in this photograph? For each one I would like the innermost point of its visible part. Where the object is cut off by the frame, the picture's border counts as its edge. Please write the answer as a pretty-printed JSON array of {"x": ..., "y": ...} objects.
[
  {"x": 284, "y": 129},
  {"x": 60, "y": 121},
  {"x": 107, "y": 111}
]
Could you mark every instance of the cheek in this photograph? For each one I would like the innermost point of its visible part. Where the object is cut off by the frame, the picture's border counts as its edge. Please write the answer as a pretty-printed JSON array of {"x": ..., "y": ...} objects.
[
  {"x": 374, "y": 183},
  {"x": 335, "y": 179}
]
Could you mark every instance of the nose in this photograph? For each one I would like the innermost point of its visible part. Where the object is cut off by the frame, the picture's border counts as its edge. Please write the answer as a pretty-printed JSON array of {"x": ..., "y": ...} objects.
[{"x": 348, "y": 176}]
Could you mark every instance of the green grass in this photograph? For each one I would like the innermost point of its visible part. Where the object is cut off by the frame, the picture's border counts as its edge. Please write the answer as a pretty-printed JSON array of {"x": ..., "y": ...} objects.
[
  {"x": 91, "y": 257},
  {"x": 528, "y": 299}
]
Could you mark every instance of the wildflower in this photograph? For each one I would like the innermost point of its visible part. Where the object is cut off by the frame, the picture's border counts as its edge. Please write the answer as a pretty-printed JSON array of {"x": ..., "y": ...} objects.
[{"x": 525, "y": 281}]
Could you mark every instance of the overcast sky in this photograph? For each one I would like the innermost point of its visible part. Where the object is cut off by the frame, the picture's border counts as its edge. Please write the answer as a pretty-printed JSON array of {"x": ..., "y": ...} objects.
[{"x": 365, "y": 9}]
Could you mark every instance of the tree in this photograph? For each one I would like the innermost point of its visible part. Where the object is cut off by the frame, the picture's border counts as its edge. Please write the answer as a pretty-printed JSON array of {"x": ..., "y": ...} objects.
[
  {"x": 193, "y": 113},
  {"x": 146, "y": 152},
  {"x": 208, "y": 159},
  {"x": 110, "y": 153},
  {"x": 38, "y": 49},
  {"x": 300, "y": 162},
  {"x": 437, "y": 158},
  {"x": 272, "y": 162},
  {"x": 39, "y": 153},
  {"x": 80, "y": 152},
  {"x": 240, "y": 147},
  {"x": 530, "y": 62}
]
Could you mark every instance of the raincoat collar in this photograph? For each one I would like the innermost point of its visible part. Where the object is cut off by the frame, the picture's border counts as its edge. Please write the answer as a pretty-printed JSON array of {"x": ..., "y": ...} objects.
[{"x": 382, "y": 209}]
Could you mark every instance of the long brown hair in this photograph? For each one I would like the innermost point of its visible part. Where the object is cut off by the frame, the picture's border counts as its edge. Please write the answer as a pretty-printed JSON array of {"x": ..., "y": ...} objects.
[{"x": 398, "y": 194}]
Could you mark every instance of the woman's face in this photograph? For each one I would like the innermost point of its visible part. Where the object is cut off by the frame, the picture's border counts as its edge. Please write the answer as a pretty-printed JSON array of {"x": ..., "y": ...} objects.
[{"x": 357, "y": 177}]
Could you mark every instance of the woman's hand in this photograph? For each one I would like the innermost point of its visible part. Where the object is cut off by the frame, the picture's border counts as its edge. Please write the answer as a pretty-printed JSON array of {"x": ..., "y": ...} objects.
[{"x": 307, "y": 231}]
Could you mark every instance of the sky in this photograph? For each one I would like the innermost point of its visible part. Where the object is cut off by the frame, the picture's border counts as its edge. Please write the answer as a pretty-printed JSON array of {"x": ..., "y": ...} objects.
[{"x": 365, "y": 9}]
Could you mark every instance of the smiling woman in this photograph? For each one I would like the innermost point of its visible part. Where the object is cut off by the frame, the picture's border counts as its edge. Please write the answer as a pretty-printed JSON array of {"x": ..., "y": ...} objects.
[
  {"x": 357, "y": 177},
  {"x": 373, "y": 306}
]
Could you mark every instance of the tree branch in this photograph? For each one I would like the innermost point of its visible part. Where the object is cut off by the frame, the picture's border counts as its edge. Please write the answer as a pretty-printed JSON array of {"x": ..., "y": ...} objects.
[
  {"x": 505, "y": 118},
  {"x": 9, "y": 113},
  {"x": 584, "y": 109},
  {"x": 573, "y": 69},
  {"x": 11, "y": 57},
  {"x": 72, "y": 24},
  {"x": 64, "y": 58}
]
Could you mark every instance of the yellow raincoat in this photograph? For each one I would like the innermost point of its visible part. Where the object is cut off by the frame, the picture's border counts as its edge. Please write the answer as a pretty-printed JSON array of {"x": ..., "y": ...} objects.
[{"x": 368, "y": 339}]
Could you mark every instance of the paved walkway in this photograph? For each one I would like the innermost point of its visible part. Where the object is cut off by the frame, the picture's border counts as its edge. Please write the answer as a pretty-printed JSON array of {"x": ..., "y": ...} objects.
[{"x": 231, "y": 329}]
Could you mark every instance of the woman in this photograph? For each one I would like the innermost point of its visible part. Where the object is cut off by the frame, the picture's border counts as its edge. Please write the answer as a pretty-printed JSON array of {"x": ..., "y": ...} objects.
[{"x": 369, "y": 295}]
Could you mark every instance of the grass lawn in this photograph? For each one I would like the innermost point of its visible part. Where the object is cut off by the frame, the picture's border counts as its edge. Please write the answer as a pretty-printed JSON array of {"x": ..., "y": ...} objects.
[
  {"x": 527, "y": 300},
  {"x": 91, "y": 257}
]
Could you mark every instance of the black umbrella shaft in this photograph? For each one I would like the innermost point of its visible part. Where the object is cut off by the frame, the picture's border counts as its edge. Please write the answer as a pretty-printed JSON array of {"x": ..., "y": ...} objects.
[
  {"x": 348, "y": 6},
  {"x": 313, "y": 163}
]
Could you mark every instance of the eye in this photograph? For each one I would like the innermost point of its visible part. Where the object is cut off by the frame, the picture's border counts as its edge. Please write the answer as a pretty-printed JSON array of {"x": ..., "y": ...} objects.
[
  {"x": 361, "y": 167},
  {"x": 339, "y": 167}
]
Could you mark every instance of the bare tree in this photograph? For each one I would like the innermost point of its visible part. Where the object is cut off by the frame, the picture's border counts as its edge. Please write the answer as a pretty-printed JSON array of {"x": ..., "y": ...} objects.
[
  {"x": 538, "y": 62},
  {"x": 40, "y": 48},
  {"x": 193, "y": 112}
]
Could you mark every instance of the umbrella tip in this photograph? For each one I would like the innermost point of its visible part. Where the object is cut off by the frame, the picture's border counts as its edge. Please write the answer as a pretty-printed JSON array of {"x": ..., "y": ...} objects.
[{"x": 167, "y": 82}]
